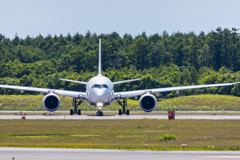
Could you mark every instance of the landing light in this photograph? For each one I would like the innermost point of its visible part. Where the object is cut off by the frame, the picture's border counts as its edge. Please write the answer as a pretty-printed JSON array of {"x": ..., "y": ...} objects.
[{"x": 99, "y": 105}]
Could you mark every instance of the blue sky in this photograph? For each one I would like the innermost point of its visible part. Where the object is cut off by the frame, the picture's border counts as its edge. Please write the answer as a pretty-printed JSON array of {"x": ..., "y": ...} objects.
[{"x": 34, "y": 17}]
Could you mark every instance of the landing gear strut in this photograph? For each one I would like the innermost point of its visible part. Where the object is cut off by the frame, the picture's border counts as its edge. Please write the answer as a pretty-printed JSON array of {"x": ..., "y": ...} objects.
[
  {"x": 76, "y": 103},
  {"x": 123, "y": 103}
]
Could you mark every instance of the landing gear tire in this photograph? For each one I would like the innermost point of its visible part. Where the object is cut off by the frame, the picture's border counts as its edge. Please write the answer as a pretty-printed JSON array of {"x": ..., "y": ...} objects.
[
  {"x": 79, "y": 112},
  {"x": 76, "y": 103},
  {"x": 99, "y": 113},
  {"x": 71, "y": 112},
  {"x": 123, "y": 103}
]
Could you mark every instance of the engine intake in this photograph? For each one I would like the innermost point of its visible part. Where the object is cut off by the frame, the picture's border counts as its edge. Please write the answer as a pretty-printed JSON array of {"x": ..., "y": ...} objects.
[
  {"x": 148, "y": 102},
  {"x": 51, "y": 102}
]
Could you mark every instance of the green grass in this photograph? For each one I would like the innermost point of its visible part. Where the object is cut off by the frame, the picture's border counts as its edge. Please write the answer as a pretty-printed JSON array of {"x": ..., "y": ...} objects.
[
  {"x": 121, "y": 134},
  {"x": 184, "y": 103},
  {"x": 206, "y": 102},
  {"x": 167, "y": 137},
  {"x": 34, "y": 103}
]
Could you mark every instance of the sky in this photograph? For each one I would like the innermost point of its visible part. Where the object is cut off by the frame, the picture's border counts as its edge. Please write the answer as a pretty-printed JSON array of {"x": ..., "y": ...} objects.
[{"x": 55, "y": 17}]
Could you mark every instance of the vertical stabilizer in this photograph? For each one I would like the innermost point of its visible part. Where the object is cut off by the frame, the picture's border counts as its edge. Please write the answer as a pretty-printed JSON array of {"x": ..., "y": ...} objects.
[{"x": 99, "y": 59}]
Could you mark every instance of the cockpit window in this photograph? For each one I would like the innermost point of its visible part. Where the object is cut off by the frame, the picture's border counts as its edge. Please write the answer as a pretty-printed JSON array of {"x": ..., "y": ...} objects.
[
  {"x": 105, "y": 86},
  {"x": 99, "y": 86}
]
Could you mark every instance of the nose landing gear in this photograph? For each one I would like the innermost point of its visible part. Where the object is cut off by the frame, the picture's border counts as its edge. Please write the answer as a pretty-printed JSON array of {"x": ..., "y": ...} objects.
[{"x": 99, "y": 113}]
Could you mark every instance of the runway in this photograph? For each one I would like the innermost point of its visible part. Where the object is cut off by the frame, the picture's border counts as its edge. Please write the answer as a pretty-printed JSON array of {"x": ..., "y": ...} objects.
[
  {"x": 113, "y": 117},
  {"x": 99, "y": 154}
]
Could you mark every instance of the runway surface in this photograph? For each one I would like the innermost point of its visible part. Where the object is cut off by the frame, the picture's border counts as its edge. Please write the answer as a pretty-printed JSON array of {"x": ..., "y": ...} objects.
[
  {"x": 97, "y": 154},
  {"x": 77, "y": 117}
]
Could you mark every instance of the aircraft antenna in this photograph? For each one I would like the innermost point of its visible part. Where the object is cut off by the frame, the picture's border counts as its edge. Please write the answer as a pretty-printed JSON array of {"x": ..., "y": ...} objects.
[{"x": 99, "y": 59}]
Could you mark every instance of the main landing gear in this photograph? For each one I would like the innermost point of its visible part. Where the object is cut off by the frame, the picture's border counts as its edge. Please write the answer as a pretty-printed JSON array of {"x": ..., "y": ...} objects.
[
  {"x": 123, "y": 103},
  {"x": 76, "y": 103}
]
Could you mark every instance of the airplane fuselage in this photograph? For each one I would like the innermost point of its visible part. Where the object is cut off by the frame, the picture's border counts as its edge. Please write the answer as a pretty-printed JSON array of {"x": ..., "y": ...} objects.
[{"x": 99, "y": 91}]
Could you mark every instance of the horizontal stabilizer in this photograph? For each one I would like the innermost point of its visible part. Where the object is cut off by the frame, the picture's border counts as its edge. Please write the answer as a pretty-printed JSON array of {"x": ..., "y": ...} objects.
[
  {"x": 126, "y": 81},
  {"x": 68, "y": 80}
]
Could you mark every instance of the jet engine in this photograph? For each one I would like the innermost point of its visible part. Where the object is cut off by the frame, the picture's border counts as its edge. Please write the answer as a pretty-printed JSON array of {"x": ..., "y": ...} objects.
[
  {"x": 51, "y": 102},
  {"x": 148, "y": 102}
]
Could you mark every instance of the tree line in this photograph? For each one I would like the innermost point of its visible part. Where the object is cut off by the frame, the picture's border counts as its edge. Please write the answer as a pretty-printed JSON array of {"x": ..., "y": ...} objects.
[{"x": 164, "y": 60}]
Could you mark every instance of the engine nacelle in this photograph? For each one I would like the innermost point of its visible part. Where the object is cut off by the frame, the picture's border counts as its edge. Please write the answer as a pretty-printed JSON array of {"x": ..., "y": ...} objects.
[
  {"x": 148, "y": 102},
  {"x": 51, "y": 102}
]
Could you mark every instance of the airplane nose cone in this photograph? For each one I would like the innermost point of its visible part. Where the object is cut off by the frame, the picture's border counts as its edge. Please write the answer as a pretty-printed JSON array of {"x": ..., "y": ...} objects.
[{"x": 100, "y": 92}]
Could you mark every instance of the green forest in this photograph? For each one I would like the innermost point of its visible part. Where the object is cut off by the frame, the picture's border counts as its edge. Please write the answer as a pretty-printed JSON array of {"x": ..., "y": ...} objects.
[{"x": 160, "y": 60}]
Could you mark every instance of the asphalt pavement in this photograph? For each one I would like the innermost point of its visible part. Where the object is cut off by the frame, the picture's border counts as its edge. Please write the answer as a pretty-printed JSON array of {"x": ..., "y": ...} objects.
[
  {"x": 62, "y": 117},
  {"x": 99, "y": 154}
]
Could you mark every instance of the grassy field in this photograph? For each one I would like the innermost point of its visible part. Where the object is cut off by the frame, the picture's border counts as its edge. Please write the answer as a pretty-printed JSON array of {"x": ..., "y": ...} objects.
[
  {"x": 121, "y": 134},
  {"x": 184, "y": 103},
  {"x": 205, "y": 102}
]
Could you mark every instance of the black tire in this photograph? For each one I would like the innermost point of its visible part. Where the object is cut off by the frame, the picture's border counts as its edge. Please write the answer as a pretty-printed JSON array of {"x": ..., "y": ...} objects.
[
  {"x": 128, "y": 113},
  {"x": 71, "y": 112},
  {"x": 79, "y": 112},
  {"x": 120, "y": 112},
  {"x": 98, "y": 113}
]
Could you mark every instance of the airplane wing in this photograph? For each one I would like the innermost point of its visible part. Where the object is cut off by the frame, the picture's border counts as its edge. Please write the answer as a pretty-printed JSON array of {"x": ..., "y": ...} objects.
[
  {"x": 72, "y": 94},
  {"x": 129, "y": 94},
  {"x": 68, "y": 80},
  {"x": 126, "y": 81}
]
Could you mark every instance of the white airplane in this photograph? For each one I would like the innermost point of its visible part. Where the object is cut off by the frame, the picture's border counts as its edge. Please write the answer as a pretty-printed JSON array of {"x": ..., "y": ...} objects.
[{"x": 100, "y": 93}]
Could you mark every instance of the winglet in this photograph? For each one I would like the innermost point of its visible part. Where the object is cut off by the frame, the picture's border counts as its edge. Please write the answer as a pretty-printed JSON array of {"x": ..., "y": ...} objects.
[{"x": 99, "y": 59}]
